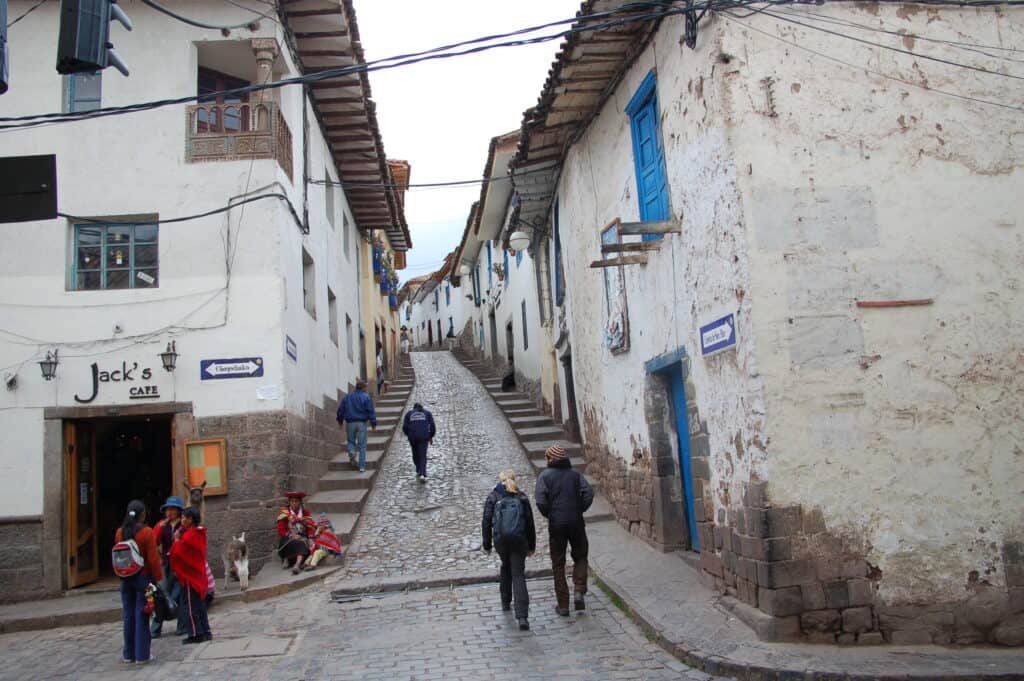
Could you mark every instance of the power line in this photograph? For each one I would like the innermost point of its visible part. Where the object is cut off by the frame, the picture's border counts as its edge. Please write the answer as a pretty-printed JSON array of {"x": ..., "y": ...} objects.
[
  {"x": 31, "y": 9},
  {"x": 730, "y": 17},
  {"x": 251, "y": 25},
  {"x": 426, "y": 185}
]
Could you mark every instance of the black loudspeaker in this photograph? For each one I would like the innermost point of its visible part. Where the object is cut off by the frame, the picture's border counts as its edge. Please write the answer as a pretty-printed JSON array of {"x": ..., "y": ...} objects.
[{"x": 28, "y": 188}]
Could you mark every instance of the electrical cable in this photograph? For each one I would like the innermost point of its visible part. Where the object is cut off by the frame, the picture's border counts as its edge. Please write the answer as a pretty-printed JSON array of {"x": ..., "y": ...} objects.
[
  {"x": 262, "y": 15},
  {"x": 31, "y": 9},
  {"x": 251, "y": 25},
  {"x": 729, "y": 17},
  {"x": 426, "y": 185}
]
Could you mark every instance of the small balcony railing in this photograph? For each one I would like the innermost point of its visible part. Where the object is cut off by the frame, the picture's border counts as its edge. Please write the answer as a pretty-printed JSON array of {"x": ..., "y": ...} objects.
[{"x": 238, "y": 131}]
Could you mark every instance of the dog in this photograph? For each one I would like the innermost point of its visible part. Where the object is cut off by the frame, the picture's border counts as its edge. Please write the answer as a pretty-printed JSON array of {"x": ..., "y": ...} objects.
[
  {"x": 236, "y": 561},
  {"x": 195, "y": 496}
]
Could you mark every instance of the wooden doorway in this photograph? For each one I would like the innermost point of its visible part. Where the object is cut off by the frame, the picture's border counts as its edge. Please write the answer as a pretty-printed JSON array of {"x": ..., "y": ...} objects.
[{"x": 82, "y": 536}]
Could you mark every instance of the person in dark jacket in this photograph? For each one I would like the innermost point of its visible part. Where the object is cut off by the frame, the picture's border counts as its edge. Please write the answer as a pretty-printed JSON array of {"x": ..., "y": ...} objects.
[
  {"x": 563, "y": 495},
  {"x": 419, "y": 427},
  {"x": 354, "y": 412},
  {"x": 513, "y": 552}
]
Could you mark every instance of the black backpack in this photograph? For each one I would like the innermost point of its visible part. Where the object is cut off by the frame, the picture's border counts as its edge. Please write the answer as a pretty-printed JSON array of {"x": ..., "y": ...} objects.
[{"x": 508, "y": 525}]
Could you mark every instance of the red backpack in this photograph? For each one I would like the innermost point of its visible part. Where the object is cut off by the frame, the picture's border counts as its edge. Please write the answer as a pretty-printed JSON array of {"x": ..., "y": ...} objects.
[{"x": 126, "y": 558}]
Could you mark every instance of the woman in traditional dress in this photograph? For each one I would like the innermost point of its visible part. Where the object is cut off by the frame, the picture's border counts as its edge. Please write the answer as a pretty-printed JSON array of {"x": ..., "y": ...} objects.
[
  {"x": 188, "y": 560},
  {"x": 296, "y": 528}
]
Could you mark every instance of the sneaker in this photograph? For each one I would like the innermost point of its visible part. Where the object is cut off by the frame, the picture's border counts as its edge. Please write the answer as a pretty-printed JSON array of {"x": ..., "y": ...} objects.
[
  {"x": 423, "y": 479},
  {"x": 362, "y": 469},
  {"x": 563, "y": 612},
  {"x": 578, "y": 601},
  {"x": 125, "y": 660},
  {"x": 524, "y": 625}
]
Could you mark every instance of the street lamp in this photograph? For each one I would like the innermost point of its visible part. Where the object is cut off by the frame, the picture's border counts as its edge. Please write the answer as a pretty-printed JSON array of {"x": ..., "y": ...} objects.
[
  {"x": 169, "y": 357},
  {"x": 519, "y": 241},
  {"x": 49, "y": 365}
]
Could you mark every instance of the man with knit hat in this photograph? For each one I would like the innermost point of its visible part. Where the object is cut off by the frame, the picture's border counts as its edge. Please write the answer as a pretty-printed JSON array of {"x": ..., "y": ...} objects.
[{"x": 562, "y": 496}]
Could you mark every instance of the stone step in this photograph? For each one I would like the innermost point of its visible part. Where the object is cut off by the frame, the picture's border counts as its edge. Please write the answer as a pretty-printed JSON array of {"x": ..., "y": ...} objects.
[
  {"x": 530, "y": 420},
  {"x": 599, "y": 511},
  {"x": 496, "y": 385},
  {"x": 344, "y": 525},
  {"x": 578, "y": 463},
  {"x": 348, "y": 479},
  {"x": 338, "y": 501},
  {"x": 540, "y": 433},
  {"x": 511, "y": 394},
  {"x": 516, "y": 402},
  {"x": 340, "y": 463},
  {"x": 392, "y": 402},
  {"x": 536, "y": 448},
  {"x": 389, "y": 410},
  {"x": 515, "y": 412},
  {"x": 377, "y": 441}
]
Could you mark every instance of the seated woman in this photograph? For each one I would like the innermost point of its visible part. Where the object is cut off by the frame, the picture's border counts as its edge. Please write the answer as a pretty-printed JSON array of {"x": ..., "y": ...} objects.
[{"x": 296, "y": 528}]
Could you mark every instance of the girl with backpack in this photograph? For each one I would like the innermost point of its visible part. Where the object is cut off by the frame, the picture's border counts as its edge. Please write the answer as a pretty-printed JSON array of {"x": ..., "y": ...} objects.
[
  {"x": 188, "y": 560},
  {"x": 137, "y": 562},
  {"x": 508, "y": 526}
]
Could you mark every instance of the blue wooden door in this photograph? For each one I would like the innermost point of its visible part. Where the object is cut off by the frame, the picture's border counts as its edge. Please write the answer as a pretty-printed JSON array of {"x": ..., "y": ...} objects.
[
  {"x": 683, "y": 429},
  {"x": 648, "y": 154}
]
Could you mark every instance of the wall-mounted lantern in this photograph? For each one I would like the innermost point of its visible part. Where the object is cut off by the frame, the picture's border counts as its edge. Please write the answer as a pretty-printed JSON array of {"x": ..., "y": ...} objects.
[
  {"x": 169, "y": 357},
  {"x": 49, "y": 365}
]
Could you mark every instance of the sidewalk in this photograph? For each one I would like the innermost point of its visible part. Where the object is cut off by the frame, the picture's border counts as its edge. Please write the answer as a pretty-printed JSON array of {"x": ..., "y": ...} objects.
[
  {"x": 664, "y": 595},
  {"x": 105, "y": 606}
]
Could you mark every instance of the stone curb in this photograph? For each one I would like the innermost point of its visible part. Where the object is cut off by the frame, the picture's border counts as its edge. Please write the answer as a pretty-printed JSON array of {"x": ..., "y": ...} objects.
[
  {"x": 401, "y": 585},
  {"x": 106, "y": 615},
  {"x": 717, "y": 665}
]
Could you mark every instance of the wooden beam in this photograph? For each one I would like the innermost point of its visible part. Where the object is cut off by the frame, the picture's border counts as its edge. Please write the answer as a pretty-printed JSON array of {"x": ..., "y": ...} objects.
[
  {"x": 346, "y": 126},
  {"x": 310, "y": 12},
  {"x": 651, "y": 227},
  {"x": 342, "y": 139},
  {"x": 624, "y": 260},
  {"x": 326, "y": 101},
  {"x": 631, "y": 247},
  {"x": 343, "y": 114},
  {"x": 313, "y": 35}
]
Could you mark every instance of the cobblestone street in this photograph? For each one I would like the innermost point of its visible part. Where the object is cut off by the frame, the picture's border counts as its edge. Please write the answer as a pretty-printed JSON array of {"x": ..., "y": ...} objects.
[
  {"x": 407, "y": 529},
  {"x": 434, "y": 528}
]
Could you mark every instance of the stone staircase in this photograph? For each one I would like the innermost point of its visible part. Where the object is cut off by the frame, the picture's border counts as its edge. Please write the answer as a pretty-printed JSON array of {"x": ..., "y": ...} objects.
[
  {"x": 535, "y": 430},
  {"x": 343, "y": 491}
]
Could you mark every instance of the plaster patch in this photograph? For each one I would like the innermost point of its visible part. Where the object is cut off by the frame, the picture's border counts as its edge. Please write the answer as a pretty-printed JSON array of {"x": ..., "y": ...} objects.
[
  {"x": 825, "y": 341},
  {"x": 829, "y": 218}
]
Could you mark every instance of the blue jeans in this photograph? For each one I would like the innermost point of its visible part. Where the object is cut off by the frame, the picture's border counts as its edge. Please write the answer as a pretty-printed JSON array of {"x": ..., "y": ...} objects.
[
  {"x": 136, "y": 623},
  {"x": 357, "y": 439}
]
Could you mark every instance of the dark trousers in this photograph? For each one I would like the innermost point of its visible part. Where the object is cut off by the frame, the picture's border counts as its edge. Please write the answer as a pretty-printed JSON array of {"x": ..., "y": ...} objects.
[
  {"x": 419, "y": 455},
  {"x": 513, "y": 582},
  {"x": 576, "y": 537},
  {"x": 136, "y": 623},
  {"x": 192, "y": 609}
]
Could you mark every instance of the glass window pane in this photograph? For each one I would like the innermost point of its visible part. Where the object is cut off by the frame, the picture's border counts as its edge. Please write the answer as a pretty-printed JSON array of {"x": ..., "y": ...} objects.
[
  {"x": 145, "y": 256},
  {"x": 90, "y": 236},
  {"x": 146, "y": 278},
  {"x": 145, "y": 233},
  {"x": 117, "y": 256},
  {"x": 118, "y": 279},
  {"x": 88, "y": 281},
  {"x": 88, "y": 257},
  {"x": 118, "y": 235}
]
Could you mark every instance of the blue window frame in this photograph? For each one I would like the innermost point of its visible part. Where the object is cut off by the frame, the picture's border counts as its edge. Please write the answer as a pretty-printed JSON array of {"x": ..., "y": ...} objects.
[
  {"x": 490, "y": 267},
  {"x": 115, "y": 257},
  {"x": 648, "y": 154},
  {"x": 447, "y": 295},
  {"x": 82, "y": 91},
  {"x": 437, "y": 300},
  {"x": 559, "y": 277},
  {"x": 519, "y": 259},
  {"x": 508, "y": 271},
  {"x": 476, "y": 286}
]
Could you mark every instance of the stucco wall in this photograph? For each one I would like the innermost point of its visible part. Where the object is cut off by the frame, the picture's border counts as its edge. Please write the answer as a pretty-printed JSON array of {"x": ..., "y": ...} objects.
[{"x": 901, "y": 425}]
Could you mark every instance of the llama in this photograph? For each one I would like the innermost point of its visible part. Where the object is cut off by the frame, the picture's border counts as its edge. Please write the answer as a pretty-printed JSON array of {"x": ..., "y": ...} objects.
[
  {"x": 195, "y": 497},
  {"x": 236, "y": 561}
]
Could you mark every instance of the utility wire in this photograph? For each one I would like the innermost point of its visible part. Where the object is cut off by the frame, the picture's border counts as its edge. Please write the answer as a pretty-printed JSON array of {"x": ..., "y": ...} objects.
[
  {"x": 251, "y": 25},
  {"x": 196, "y": 216},
  {"x": 730, "y": 17},
  {"x": 31, "y": 9},
  {"x": 426, "y": 185}
]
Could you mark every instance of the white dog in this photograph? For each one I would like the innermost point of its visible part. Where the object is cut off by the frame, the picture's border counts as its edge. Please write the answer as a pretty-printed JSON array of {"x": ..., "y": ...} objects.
[{"x": 236, "y": 561}]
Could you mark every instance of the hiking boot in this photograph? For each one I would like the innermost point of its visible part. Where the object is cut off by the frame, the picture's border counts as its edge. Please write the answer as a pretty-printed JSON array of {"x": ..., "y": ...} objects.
[
  {"x": 562, "y": 612},
  {"x": 578, "y": 601},
  {"x": 524, "y": 625}
]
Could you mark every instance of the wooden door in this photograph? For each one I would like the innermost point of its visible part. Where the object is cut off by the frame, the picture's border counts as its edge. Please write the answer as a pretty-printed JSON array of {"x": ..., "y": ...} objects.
[
  {"x": 80, "y": 474},
  {"x": 678, "y": 393}
]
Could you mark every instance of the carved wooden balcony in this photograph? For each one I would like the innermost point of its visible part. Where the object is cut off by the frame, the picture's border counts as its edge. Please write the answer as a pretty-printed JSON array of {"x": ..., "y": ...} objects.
[{"x": 238, "y": 132}]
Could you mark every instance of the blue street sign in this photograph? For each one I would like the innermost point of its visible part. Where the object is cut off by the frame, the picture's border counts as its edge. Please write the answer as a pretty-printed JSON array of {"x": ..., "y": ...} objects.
[
  {"x": 239, "y": 367},
  {"x": 717, "y": 336},
  {"x": 291, "y": 348}
]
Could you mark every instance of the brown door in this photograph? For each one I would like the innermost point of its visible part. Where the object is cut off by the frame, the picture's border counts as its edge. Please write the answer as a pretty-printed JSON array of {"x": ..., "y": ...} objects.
[{"x": 80, "y": 473}]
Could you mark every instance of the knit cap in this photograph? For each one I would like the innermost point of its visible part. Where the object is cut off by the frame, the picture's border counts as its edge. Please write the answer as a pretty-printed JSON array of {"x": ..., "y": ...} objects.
[{"x": 554, "y": 452}]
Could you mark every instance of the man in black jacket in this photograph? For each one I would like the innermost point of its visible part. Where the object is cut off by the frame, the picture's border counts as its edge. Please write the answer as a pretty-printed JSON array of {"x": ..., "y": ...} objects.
[
  {"x": 563, "y": 495},
  {"x": 419, "y": 427}
]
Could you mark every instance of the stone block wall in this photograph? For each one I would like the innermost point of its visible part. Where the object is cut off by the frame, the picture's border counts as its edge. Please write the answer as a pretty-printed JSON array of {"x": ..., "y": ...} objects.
[
  {"x": 21, "y": 559},
  {"x": 817, "y": 585}
]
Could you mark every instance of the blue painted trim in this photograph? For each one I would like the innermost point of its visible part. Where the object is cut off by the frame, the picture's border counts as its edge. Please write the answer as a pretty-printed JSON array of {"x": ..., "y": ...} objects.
[
  {"x": 663, "y": 362},
  {"x": 683, "y": 432},
  {"x": 642, "y": 94}
]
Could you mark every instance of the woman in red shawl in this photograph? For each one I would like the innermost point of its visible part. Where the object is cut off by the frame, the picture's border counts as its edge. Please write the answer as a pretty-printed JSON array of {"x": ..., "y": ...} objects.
[
  {"x": 296, "y": 528},
  {"x": 188, "y": 560}
]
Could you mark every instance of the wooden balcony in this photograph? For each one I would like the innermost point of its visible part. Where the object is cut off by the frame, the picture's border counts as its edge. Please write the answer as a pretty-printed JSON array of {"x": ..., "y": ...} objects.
[{"x": 238, "y": 132}]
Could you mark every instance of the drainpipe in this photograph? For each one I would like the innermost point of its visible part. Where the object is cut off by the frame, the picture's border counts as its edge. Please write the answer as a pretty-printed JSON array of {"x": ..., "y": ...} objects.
[{"x": 305, "y": 158}]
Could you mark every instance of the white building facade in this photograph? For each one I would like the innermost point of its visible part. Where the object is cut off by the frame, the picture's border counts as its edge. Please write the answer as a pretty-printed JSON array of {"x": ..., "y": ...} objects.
[{"x": 261, "y": 301}]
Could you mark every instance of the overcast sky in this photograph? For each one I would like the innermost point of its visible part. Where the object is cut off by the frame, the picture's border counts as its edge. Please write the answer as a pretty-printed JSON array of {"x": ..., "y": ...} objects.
[{"x": 441, "y": 115}]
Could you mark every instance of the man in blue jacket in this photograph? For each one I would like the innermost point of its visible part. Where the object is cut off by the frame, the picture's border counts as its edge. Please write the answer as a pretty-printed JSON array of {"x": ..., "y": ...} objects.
[
  {"x": 354, "y": 412},
  {"x": 420, "y": 429}
]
